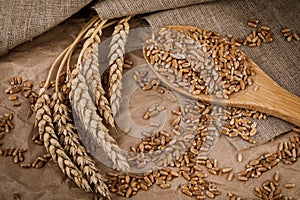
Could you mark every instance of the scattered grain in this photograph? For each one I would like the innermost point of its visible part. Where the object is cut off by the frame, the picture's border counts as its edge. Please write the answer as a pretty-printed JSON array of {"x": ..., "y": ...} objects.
[
  {"x": 13, "y": 97},
  {"x": 165, "y": 186},
  {"x": 230, "y": 176},
  {"x": 296, "y": 36},
  {"x": 286, "y": 30},
  {"x": 242, "y": 178},
  {"x": 289, "y": 185},
  {"x": 17, "y": 103},
  {"x": 289, "y": 34},
  {"x": 17, "y": 196},
  {"x": 239, "y": 157},
  {"x": 15, "y": 90},
  {"x": 277, "y": 176},
  {"x": 127, "y": 130}
]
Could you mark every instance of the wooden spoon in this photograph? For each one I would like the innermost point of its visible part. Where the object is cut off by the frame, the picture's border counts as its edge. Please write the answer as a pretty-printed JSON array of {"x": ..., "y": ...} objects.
[{"x": 269, "y": 98}]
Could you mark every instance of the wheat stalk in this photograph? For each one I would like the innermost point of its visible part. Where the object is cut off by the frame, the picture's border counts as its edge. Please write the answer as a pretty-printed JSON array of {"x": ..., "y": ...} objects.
[
  {"x": 116, "y": 62},
  {"x": 65, "y": 127},
  {"x": 69, "y": 52},
  {"x": 85, "y": 108},
  {"x": 66, "y": 130},
  {"x": 61, "y": 116},
  {"x": 51, "y": 143}
]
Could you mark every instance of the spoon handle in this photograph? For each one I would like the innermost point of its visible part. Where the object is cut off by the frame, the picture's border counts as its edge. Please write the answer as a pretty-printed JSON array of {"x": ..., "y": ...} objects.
[{"x": 271, "y": 98}]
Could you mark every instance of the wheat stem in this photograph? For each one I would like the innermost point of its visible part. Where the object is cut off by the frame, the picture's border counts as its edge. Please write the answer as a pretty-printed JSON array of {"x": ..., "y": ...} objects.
[
  {"x": 73, "y": 45},
  {"x": 53, "y": 66},
  {"x": 92, "y": 21}
]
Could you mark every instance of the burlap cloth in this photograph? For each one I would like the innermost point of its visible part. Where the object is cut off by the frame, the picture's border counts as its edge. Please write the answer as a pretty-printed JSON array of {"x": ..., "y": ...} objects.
[
  {"x": 32, "y": 60},
  {"x": 22, "y": 20}
]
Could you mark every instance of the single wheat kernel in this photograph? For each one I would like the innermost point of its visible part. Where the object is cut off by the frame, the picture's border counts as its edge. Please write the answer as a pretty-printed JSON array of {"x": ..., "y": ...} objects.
[{"x": 239, "y": 157}]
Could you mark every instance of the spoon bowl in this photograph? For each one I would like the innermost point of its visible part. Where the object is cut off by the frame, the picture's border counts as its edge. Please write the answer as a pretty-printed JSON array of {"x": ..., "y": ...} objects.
[{"x": 263, "y": 95}]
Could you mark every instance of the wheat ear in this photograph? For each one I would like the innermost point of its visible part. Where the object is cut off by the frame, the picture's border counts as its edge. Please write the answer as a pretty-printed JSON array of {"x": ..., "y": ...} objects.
[
  {"x": 116, "y": 62},
  {"x": 44, "y": 108},
  {"x": 86, "y": 110},
  {"x": 51, "y": 143},
  {"x": 92, "y": 75},
  {"x": 64, "y": 124}
]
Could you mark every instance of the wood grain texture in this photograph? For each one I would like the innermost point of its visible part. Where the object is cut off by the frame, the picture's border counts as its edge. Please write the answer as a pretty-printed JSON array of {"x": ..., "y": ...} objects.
[{"x": 269, "y": 98}]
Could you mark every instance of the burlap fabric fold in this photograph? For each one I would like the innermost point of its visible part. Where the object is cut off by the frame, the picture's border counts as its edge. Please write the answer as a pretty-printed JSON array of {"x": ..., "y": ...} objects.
[
  {"x": 22, "y": 20},
  {"x": 109, "y": 9},
  {"x": 279, "y": 59}
]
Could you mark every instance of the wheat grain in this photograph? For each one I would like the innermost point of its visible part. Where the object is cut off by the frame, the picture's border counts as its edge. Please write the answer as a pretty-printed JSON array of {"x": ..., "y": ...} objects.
[
  {"x": 195, "y": 69},
  {"x": 269, "y": 190},
  {"x": 48, "y": 135},
  {"x": 286, "y": 153},
  {"x": 23, "y": 165},
  {"x": 289, "y": 185},
  {"x": 116, "y": 62},
  {"x": 13, "y": 97},
  {"x": 16, "y": 196}
]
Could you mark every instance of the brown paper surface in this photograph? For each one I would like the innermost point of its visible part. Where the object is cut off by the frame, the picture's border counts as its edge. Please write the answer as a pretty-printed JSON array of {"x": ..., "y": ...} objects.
[{"x": 31, "y": 61}]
